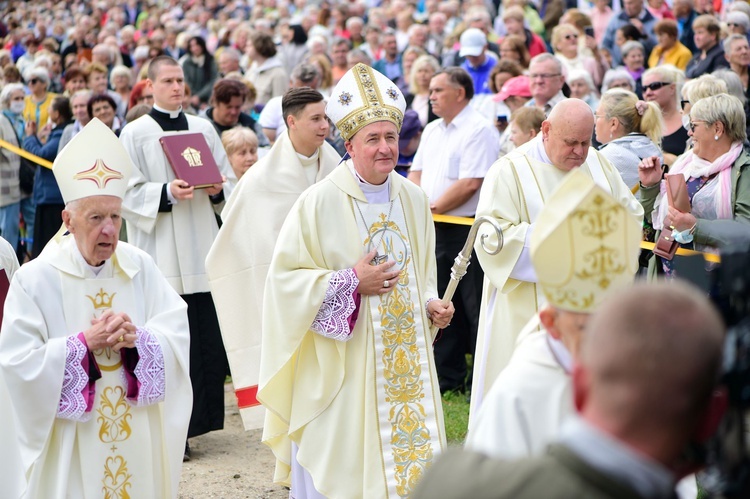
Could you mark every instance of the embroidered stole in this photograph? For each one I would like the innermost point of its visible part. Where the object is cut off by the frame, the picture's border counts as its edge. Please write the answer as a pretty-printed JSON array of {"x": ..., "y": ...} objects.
[
  {"x": 407, "y": 410},
  {"x": 114, "y": 445}
]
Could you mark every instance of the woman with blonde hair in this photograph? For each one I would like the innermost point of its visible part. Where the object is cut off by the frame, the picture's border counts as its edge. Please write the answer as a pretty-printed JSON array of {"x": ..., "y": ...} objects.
[
  {"x": 719, "y": 193},
  {"x": 241, "y": 145},
  {"x": 323, "y": 64},
  {"x": 630, "y": 129},
  {"x": 418, "y": 97},
  {"x": 662, "y": 85},
  {"x": 565, "y": 44}
]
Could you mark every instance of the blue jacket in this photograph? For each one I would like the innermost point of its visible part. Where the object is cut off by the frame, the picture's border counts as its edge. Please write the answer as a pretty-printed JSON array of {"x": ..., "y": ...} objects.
[
  {"x": 480, "y": 75},
  {"x": 381, "y": 64},
  {"x": 46, "y": 190}
]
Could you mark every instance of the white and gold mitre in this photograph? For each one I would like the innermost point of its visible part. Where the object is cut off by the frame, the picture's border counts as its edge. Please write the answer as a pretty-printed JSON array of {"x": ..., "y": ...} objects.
[
  {"x": 94, "y": 163},
  {"x": 364, "y": 96},
  {"x": 584, "y": 245}
]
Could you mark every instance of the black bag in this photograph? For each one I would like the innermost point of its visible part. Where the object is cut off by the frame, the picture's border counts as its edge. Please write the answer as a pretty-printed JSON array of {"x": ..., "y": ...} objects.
[{"x": 26, "y": 176}]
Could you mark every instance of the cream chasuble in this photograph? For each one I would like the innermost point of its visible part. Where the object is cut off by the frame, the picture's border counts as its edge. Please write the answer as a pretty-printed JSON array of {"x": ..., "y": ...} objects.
[
  {"x": 238, "y": 261},
  {"x": 365, "y": 413},
  {"x": 117, "y": 449},
  {"x": 527, "y": 404},
  {"x": 513, "y": 192}
]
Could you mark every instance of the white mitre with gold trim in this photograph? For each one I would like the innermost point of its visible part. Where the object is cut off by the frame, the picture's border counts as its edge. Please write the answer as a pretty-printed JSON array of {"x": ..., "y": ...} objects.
[
  {"x": 94, "y": 163},
  {"x": 364, "y": 96},
  {"x": 584, "y": 245}
]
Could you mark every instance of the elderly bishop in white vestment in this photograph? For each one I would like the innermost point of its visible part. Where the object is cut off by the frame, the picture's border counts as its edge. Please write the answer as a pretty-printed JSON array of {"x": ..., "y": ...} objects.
[{"x": 104, "y": 422}]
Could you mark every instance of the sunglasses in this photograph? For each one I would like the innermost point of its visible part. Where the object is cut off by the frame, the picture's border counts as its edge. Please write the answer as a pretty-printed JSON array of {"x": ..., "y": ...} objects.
[
  {"x": 684, "y": 103},
  {"x": 34, "y": 81},
  {"x": 656, "y": 85}
]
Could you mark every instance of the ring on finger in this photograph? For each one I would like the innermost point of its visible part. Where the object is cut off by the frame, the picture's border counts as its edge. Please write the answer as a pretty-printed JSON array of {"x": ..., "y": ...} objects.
[
  {"x": 386, "y": 284},
  {"x": 121, "y": 338}
]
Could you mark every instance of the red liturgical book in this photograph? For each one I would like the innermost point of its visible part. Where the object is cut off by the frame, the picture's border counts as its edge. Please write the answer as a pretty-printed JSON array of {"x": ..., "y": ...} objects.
[{"x": 191, "y": 159}]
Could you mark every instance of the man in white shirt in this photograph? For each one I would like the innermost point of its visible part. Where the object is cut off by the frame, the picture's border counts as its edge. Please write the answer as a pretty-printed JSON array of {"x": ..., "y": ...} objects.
[{"x": 454, "y": 155}]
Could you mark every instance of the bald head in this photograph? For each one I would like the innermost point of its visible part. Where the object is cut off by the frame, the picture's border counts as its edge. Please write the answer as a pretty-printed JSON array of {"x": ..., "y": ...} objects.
[
  {"x": 651, "y": 357},
  {"x": 567, "y": 133}
]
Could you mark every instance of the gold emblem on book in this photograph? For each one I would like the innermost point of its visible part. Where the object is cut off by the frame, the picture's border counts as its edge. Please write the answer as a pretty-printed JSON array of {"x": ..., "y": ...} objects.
[
  {"x": 99, "y": 173},
  {"x": 192, "y": 156}
]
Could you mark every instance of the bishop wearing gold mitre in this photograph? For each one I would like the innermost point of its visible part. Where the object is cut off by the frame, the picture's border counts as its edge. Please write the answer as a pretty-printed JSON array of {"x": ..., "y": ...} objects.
[
  {"x": 95, "y": 395},
  {"x": 347, "y": 374}
]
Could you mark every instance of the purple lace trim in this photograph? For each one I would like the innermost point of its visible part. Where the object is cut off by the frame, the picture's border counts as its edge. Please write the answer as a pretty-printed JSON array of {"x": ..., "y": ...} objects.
[
  {"x": 339, "y": 305},
  {"x": 73, "y": 404},
  {"x": 149, "y": 370}
]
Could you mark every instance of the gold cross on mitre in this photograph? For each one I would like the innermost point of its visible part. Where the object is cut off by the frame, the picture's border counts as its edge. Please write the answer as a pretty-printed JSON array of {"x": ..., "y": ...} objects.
[{"x": 99, "y": 173}]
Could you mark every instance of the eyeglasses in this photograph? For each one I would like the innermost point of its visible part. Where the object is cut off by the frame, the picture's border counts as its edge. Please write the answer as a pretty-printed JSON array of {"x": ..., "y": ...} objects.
[
  {"x": 731, "y": 25},
  {"x": 571, "y": 36},
  {"x": 145, "y": 97},
  {"x": 684, "y": 103},
  {"x": 691, "y": 124},
  {"x": 656, "y": 85},
  {"x": 544, "y": 76}
]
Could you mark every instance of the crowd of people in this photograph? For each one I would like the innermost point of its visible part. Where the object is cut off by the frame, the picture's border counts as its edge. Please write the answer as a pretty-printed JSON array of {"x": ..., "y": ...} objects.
[{"x": 312, "y": 272}]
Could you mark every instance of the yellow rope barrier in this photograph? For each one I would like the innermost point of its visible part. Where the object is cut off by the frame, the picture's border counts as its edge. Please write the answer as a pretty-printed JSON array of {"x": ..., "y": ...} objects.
[
  {"x": 709, "y": 257},
  {"x": 25, "y": 154}
]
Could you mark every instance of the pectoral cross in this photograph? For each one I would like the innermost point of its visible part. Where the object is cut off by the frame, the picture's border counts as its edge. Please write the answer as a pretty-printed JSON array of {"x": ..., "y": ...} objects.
[{"x": 378, "y": 259}]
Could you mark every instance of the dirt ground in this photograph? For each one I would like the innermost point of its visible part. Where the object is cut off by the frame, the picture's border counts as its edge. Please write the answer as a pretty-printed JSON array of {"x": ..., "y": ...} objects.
[{"x": 231, "y": 463}]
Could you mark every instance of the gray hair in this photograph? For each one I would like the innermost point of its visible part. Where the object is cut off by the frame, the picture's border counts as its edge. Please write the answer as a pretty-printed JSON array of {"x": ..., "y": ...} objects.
[
  {"x": 728, "y": 41},
  {"x": 306, "y": 73},
  {"x": 7, "y": 91},
  {"x": 120, "y": 70},
  {"x": 354, "y": 20},
  {"x": 705, "y": 86},
  {"x": 38, "y": 72},
  {"x": 739, "y": 17},
  {"x": 734, "y": 84},
  {"x": 546, "y": 56},
  {"x": 631, "y": 45},
  {"x": 580, "y": 74},
  {"x": 233, "y": 53},
  {"x": 617, "y": 74},
  {"x": 724, "y": 109},
  {"x": 85, "y": 93}
]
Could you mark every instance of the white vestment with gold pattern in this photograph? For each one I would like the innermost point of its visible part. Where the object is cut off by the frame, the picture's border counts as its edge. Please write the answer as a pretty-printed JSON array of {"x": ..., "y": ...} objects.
[
  {"x": 365, "y": 413},
  {"x": 122, "y": 450},
  {"x": 513, "y": 192}
]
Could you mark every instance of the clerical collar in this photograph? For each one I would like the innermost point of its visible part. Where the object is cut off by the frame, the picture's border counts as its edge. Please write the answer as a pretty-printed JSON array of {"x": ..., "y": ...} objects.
[
  {"x": 79, "y": 256},
  {"x": 308, "y": 159},
  {"x": 172, "y": 114},
  {"x": 536, "y": 150},
  {"x": 375, "y": 194}
]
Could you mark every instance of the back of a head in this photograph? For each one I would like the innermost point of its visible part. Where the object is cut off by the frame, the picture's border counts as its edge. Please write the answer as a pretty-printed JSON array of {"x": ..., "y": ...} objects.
[
  {"x": 652, "y": 355},
  {"x": 705, "y": 86},
  {"x": 733, "y": 81},
  {"x": 634, "y": 115},
  {"x": 296, "y": 99}
]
